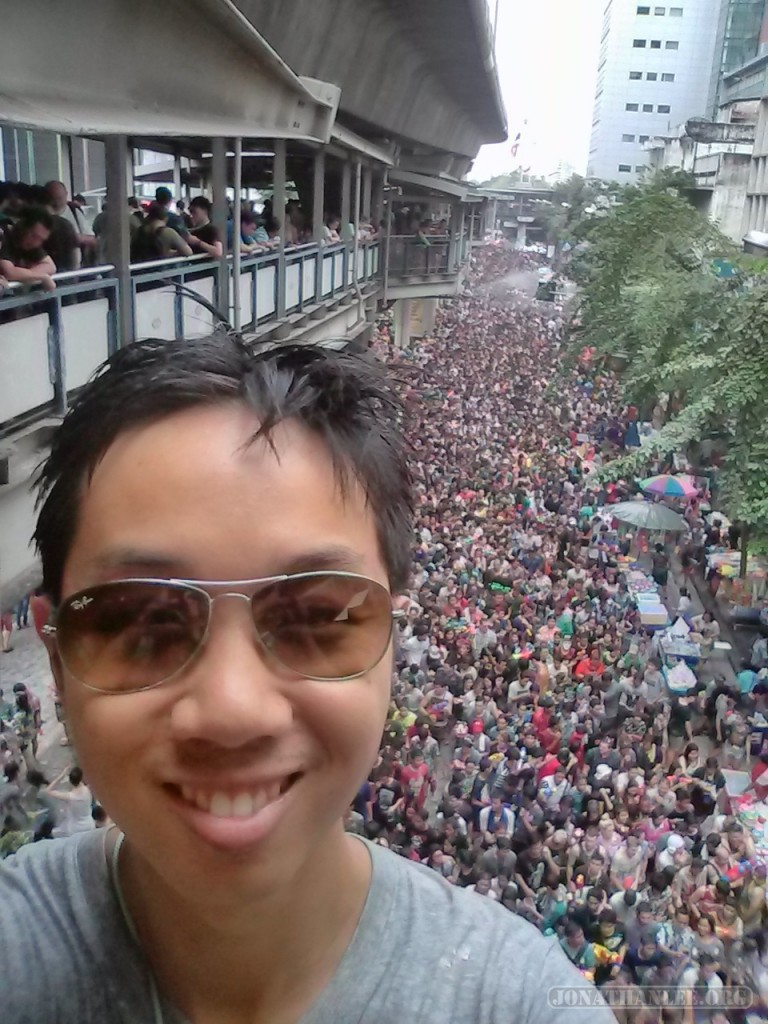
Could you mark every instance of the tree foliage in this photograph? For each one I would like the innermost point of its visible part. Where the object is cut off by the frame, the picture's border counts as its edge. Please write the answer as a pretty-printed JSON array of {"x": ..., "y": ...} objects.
[{"x": 651, "y": 295}]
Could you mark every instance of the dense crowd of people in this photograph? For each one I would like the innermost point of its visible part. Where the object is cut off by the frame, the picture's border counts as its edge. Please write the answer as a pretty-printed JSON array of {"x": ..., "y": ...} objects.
[{"x": 533, "y": 752}]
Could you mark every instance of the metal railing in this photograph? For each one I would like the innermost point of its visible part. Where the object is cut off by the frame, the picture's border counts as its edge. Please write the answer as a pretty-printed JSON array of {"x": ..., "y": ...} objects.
[
  {"x": 51, "y": 342},
  {"x": 427, "y": 255}
]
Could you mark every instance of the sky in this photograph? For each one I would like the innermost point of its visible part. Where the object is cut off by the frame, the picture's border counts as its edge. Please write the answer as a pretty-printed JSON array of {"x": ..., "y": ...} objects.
[{"x": 546, "y": 53}]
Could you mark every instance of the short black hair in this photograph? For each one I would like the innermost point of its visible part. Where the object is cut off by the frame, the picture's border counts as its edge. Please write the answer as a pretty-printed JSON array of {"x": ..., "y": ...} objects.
[
  {"x": 347, "y": 399},
  {"x": 33, "y": 215},
  {"x": 163, "y": 195},
  {"x": 201, "y": 203}
]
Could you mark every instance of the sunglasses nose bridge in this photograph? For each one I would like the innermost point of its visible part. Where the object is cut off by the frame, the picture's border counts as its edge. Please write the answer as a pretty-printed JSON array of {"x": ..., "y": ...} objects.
[{"x": 230, "y": 593}]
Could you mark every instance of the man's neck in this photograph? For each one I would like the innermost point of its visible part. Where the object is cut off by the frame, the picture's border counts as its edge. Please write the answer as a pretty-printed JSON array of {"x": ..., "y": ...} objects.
[{"x": 267, "y": 959}]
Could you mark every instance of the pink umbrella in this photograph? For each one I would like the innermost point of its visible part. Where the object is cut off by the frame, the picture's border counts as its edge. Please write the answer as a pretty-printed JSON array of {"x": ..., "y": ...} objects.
[{"x": 668, "y": 486}]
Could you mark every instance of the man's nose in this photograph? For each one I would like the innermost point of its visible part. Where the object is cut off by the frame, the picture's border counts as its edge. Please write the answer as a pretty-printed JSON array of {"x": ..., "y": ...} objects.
[{"x": 235, "y": 693}]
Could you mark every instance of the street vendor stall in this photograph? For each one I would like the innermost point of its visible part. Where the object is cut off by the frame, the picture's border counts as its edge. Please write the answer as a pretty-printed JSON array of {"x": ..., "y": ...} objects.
[
  {"x": 645, "y": 595},
  {"x": 723, "y": 567}
]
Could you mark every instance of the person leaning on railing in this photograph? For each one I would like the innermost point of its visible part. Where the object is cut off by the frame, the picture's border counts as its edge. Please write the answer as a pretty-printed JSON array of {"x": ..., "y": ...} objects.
[
  {"x": 204, "y": 236},
  {"x": 23, "y": 258},
  {"x": 155, "y": 240}
]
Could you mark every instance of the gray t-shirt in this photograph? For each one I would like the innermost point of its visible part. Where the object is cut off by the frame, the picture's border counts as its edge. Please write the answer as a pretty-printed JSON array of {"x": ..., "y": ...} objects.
[{"x": 423, "y": 951}]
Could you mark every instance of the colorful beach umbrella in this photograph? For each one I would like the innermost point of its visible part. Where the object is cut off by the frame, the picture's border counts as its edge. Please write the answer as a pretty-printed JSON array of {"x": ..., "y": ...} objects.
[{"x": 668, "y": 486}]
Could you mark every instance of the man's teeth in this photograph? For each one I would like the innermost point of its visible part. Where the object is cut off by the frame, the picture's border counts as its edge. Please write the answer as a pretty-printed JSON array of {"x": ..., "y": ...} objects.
[{"x": 222, "y": 805}]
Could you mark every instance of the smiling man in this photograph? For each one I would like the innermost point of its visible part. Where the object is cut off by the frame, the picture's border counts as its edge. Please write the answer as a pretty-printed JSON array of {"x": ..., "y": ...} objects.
[{"x": 224, "y": 536}]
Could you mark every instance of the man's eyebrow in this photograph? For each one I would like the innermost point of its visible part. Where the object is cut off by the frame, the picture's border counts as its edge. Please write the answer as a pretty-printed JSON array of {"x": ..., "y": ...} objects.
[{"x": 334, "y": 557}]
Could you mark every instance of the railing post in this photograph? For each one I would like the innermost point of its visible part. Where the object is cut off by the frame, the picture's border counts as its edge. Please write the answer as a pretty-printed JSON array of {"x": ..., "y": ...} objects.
[
  {"x": 118, "y": 231},
  {"x": 57, "y": 370},
  {"x": 366, "y": 210},
  {"x": 345, "y": 215},
  {"x": 278, "y": 210}
]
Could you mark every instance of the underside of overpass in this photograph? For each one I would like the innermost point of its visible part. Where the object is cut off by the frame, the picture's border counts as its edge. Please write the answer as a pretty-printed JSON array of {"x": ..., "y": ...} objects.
[{"x": 445, "y": 93}]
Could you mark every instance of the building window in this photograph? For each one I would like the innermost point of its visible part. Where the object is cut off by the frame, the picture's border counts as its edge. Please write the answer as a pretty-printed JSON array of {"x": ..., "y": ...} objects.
[
  {"x": 631, "y": 106},
  {"x": 675, "y": 12},
  {"x": 640, "y": 168},
  {"x": 627, "y": 138},
  {"x": 655, "y": 44},
  {"x": 663, "y": 108},
  {"x": 642, "y": 138},
  {"x": 643, "y": 10},
  {"x": 659, "y": 10},
  {"x": 651, "y": 76},
  {"x": 647, "y": 108},
  {"x": 672, "y": 44},
  {"x": 639, "y": 44},
  {"x": 667, "y": 77},
  {"x": 625, "y": 169},
  {"x": 635, "y": 75}
]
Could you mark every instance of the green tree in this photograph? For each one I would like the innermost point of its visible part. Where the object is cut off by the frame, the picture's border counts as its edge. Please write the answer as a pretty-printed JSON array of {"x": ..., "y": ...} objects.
[{"x": 651, "y": 295}]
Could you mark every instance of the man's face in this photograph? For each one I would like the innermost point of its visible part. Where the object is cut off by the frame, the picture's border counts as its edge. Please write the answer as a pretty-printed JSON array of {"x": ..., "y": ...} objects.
[
  {"x": 34, "y": 237},
  {"x": 197, "y": 215},
  {"x": 232, "y": 719}
]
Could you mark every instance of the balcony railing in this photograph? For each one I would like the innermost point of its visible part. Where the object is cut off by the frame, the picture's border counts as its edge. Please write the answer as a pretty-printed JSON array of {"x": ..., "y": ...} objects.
[
  {"x": 409, "y": 257},
  {"x": 432, "y": 256},
  {"x": 51, "y": 342}
]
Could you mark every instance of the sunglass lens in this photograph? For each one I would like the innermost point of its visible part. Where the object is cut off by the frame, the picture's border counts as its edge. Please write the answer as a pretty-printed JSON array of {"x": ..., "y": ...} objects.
[
  {"x": 126, "y": 636},
  {"x": 325, "y": 626}
]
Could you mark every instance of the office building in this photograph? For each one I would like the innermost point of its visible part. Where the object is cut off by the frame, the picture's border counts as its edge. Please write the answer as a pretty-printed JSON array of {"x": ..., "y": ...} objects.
[{"x": 655, "y": 71}]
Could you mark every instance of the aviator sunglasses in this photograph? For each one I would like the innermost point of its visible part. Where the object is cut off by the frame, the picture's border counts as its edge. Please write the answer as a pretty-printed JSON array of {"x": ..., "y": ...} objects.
[{"x": 131, "y": 635}]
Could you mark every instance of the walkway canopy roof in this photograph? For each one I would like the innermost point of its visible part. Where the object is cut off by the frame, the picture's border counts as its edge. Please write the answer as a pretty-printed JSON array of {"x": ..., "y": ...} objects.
[
  {"x": 191, "y": 68},
  {"x": 428, "y": 183}
]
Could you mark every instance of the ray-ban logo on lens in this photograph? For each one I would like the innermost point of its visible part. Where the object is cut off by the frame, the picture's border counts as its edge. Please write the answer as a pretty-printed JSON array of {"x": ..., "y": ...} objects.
[{"x": 83, "y": 602}]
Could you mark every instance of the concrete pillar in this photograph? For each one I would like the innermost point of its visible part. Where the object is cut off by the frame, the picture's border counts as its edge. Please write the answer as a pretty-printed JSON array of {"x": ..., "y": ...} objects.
[
  {"x": 318, "y": 195},
  {"x": 377, "y": 199},
  {"x": 118, "y": 231},
  {"x": 462, "y": 240},
  {"x": 221, "y": 215},
  {"x": 129, "y": 168},
  {"x": 428, "y": 313},
  {"x": 402, "y": 322},
  {"x": 176, "y": 176},
  {"x": 346, "y": 198},
  {"x": 66, "y": 162},
  {"x": 522, "y": 235},
  {"x": 278, "y": 210},
  {"x": 472, "y": 225},
  {"x": 366, "y": 208},
  {"x": 86, "y": 166}
]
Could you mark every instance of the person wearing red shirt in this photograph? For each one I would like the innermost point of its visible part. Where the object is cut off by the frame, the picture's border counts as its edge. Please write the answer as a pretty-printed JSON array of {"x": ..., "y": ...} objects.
[
  {"x": 591, "y": 665},
  {"x": 759, "y": 777},
  {"x": 414, "y": 778},
  {"x": 540, "y": 720},
  {"x": 548, "y": 766}
]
